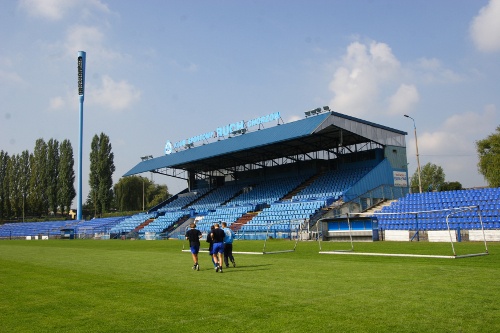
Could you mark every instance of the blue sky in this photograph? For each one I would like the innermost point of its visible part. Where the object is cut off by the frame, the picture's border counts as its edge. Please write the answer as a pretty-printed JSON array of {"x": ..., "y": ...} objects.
[{"x": 169, "y": 70}]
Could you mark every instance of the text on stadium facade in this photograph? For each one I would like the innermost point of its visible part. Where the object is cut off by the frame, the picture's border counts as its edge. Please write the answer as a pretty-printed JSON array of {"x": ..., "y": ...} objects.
[{"x": 221, "y": 131}]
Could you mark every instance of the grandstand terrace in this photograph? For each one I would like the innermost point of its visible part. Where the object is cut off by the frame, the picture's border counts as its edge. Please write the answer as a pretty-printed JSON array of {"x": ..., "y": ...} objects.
[{"x": 285, "y": 178}]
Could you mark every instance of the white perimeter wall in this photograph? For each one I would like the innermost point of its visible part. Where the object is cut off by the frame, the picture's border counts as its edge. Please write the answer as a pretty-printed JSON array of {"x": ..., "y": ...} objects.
[
  {"x": 443, "y": 235},
  {"x": 490, "y": 235},
  {"x": 397, "y": 235}
]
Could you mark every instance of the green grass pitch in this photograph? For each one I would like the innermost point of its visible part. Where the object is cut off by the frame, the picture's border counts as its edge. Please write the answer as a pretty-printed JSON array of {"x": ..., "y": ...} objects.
[{"x": 149, "y": 286}]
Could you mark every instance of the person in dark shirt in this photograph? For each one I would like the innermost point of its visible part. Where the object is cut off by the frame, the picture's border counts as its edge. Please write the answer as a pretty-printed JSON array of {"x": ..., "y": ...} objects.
[
  {"x": 211, "y": 245},
  {"x": 194, "y": 235},
  {"x": 218, "y": 247}
]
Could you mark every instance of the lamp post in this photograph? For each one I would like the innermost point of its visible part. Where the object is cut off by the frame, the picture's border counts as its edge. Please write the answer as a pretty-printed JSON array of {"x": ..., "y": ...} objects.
[
  {"x": 144, "y": 158},
  {"x": 416, "y": 147}
]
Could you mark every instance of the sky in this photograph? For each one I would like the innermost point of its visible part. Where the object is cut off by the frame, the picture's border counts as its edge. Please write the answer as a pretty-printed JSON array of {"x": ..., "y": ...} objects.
[{"x": 162, "y": 70}]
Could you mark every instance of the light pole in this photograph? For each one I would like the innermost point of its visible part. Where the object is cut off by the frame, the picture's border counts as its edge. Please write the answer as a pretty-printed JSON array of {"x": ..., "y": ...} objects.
[
  {"x": 416, "y": 147},
  {"x": 144, "y": 158},
  {"x": 81, "y": 94}
]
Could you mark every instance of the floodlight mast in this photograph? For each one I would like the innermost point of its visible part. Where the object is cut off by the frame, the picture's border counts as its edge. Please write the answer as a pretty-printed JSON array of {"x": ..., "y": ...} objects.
[
  {"x": 81, "y": 96},
  {"x": 416, "y": 148}
]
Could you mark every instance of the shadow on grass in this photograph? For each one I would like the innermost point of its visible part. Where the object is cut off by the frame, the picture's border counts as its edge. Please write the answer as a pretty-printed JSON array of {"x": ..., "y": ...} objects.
[{"x": 245, "y": 268}]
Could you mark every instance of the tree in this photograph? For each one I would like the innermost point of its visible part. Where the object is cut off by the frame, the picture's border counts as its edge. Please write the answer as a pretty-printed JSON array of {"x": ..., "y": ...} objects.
[
  {"x": 101, "y": 174},
  {"x": 24, "y": 178},
  {"x": 157, "y": 195},
  {"x": 129, "y": 193},
  {"x": 7, "y": 186},
  {"x": 15, "y": 193},
  {"x": 432, "y": 177},
  {"x": 33, "y": 183},
  {"x": 52, "y": 174},
  {"x": 94, "y": 174},
  {"x": 4, "y": 198},
  {"x": 489, "y": 158},
  {"x": 450, "y": 186},
  {"x": 38, "y": 199},
  {"x": 66, "y": 179}
]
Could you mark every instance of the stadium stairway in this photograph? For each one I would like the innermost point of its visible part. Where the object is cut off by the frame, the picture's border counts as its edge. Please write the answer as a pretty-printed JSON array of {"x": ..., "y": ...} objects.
[
  {"x": 242, "y": 221},
  {"x": 379, "y": 206},
  {"x": 180, "y": 231},
  {"x": 142, "y": 225},
  {"x": 177, "y": 224}
]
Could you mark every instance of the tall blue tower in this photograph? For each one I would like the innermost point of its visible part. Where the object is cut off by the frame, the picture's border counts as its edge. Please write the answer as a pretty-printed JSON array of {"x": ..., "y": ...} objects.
[{"x": 81, "y": 95}]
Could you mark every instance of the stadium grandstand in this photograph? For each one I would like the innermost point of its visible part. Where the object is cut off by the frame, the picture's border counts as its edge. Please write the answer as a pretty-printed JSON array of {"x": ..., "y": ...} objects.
[{"x": 279, "y": 179}]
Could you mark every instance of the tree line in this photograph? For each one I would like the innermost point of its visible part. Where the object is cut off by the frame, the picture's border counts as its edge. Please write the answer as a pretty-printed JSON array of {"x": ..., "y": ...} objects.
[
  {"x": 37, "y": 183},
  {"x": 41, "y": 183}
]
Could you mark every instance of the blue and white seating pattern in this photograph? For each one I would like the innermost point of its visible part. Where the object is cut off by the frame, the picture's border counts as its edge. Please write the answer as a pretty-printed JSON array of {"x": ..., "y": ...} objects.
[
  {"x": 163, "y": 222},
  {"x": 332, "y": 184},
  {"x": 51, "y": 228},
  {"x": 97, "y": 225},
  {"x": 293, "y": 213},
  {"x": 183, "y": 200},
  {"x": 222, "y": 214},
  {"x": 216, "y": 197},
  {"x": 269, "y": 191},
  {"x": 428, "y": 211},
  {"x": 130, "y": 223}
]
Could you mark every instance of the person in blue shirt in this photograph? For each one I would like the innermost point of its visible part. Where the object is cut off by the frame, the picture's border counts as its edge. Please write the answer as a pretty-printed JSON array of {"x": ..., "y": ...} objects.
[{"x": 228, "y": 245}]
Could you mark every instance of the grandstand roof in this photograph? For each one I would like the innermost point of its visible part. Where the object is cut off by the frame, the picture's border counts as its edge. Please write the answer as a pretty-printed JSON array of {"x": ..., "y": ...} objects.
[{"x": 321, "y": 132}]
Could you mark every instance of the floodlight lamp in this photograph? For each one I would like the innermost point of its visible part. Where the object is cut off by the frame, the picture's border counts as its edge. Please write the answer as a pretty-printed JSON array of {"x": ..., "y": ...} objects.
[{"x": 240, "y": 131}]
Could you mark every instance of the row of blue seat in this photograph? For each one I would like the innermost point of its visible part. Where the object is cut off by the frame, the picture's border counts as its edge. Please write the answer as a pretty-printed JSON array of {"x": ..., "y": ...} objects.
[{"x": 430, "y": 210}]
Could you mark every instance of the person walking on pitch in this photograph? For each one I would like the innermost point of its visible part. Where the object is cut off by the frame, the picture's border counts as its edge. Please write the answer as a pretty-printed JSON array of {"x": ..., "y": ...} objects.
[
  {"x": 211, "y": 245},
  {"x": 228, "y": 245},
  {"x": 194, "y": 235},
  {"x": 218, "y": 247}
]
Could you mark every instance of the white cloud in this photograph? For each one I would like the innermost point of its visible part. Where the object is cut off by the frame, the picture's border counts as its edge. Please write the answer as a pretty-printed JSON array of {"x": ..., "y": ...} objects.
[
  {"x": 115, "y": 95},
  {"x": 485, "y": 28},
  {"x": 49, "y": 9},
  {"x": 363, "y": 73},
  {"x": 293, "y": 118},
  {"x": 458, "y": 132},
  {"x": 187, "y": 67},
  {"x": 7, "y": 72},
  {"x": 471, "y": 123},
  {"x": 90, "y": 39},
  {"x": 10, "y": 77},
  {"x": 452, "y": 146},
  {"x": 431, "y": 70},
  {"x": 55, "y": 10},
  {"x": 83, "y": 37},
  {"x": 56, "y": 103},
  {"x": 403, "y": 100}
]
